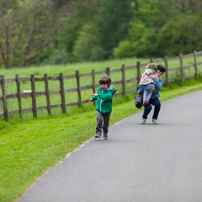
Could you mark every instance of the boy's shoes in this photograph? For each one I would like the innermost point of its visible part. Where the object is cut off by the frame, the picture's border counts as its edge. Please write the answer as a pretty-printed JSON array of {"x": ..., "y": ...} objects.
[
  {"x": 143, "y": 121},
  {"x": 154, "y": 121},
  {"x": 145, "y": 103},
  {"x": 105, "y": 136},
  {"x": 98, "y": 135}
]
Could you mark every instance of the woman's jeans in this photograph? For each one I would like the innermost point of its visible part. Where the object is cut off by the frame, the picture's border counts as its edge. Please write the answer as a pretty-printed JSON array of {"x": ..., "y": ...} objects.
[{"x": 147, "y": 108}]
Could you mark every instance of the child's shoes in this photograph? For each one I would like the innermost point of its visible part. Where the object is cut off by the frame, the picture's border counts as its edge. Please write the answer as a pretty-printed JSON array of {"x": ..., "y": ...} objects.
[
  {"x": 105, "y": 136},
  {"x": 145, "y": 103},
  {"x": 98, "y": 135}
]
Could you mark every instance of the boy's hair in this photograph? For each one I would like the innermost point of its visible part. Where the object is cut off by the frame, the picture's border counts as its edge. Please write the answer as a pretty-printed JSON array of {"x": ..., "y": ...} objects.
[
  {"x": 105, "y": 80},
  {"x": 151, "y": 65},
  {"x": 161, "y": 68}
]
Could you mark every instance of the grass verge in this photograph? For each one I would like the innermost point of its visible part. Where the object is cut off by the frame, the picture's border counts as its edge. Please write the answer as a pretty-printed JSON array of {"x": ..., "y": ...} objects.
[{"x": 30, "y": 147}]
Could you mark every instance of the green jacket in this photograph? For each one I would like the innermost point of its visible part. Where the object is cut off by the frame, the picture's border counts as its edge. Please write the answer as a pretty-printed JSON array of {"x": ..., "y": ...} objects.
[{"x": 104, "y": 99}]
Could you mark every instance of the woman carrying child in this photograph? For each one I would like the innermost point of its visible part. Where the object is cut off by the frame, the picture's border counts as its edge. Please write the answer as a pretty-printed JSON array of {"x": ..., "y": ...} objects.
[{"x": 154, "y": 100}]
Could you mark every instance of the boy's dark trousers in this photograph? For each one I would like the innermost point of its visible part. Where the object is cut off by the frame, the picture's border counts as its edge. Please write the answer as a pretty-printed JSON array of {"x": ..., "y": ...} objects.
[{"x": 102, "y": 122}]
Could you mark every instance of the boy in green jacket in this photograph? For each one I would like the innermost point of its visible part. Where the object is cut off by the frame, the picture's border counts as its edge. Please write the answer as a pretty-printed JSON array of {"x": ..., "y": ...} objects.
[{"x": 104, "y": 99}]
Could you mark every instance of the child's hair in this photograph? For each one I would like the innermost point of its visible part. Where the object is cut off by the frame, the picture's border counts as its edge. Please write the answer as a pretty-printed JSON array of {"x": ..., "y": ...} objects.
[
  {"x": 151, "y": 65},
  {"x": 105, "y": 80}
]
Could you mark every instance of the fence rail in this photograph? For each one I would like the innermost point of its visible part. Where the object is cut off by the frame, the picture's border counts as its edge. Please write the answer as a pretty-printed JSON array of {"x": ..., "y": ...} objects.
[{"x": 62, "y": 91}]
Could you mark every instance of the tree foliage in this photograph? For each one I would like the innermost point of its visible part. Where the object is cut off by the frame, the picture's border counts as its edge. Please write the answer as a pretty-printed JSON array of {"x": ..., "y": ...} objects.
[
  {"x": 25, "y": 30},
  {"x": 33, "y": 31},
  {"x": 163, "y": 28},
  {"x": 84, "y": 43},
  {"x": 112, "y": 23},
  {"x": 180, "y": 35}
]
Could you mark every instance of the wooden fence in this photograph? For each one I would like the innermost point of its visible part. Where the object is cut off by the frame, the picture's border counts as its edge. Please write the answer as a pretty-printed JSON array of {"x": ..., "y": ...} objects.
[{"x": 62, "y": 91}]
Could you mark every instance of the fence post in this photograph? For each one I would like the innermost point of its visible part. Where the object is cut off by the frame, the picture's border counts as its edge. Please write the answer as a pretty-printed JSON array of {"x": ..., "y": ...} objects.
[
  {"x": 123, "y": 81},
  {"x": 181, "y": 69},
  {"x": 166, "y": 67},
  {"x": 4, "y": 94},
  {"x": 195, "y": 65},
  {"x": 78, "y": 88},
  {"x": 62, "y": 93},
  {"x": 138, "y": 73},
  {"x": 151, "y": 60},
  {"x": 34, "y": 109},
  {"x": 18, "y": 94},
  {"x": 108, "y": 71},
  {"x": 93, "y": 81},
  {"x": 47, "y": 94}
]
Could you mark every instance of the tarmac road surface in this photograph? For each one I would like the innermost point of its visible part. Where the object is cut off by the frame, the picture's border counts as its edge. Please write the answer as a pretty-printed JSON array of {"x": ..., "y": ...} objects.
[{"x": 138, "y": 163}]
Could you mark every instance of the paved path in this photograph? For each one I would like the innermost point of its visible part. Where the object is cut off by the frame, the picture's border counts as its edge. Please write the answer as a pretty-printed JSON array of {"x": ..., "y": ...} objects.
[{"x": 138, "y": 163}]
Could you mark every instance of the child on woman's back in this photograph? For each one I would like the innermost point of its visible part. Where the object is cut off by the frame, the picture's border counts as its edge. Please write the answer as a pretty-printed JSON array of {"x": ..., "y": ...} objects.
[{"x": 147, "y": 79}]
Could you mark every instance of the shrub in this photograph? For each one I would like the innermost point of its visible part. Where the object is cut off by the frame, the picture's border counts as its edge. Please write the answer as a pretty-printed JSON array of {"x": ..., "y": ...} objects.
[{"x": 58, "y": 57}]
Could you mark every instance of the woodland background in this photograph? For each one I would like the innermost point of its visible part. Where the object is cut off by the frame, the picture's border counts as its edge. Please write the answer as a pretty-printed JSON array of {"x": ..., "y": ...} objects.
[{"x": 38, "y": 32}]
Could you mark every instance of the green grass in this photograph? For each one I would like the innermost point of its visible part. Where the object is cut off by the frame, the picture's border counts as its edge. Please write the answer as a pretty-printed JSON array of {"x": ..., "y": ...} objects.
[
  {"x": 71, "y": 83},
  {"x": 84, "y": 67},
  {"x": 31, "y": 146}
]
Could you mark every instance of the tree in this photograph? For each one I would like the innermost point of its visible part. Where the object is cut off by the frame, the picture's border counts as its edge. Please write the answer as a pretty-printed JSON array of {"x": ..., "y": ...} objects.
[
  {"x": 86, "y": 46},
  {"x": 26, "y": 30},
  {"x": 185, "y": 7},
  {"x": 180, "y": 35},
  {"x": 85, "y": 10},
  {"x": 112, "y": 23},
  {"x": 142, "y": 35},
  {"x": 141, "y": 42}
]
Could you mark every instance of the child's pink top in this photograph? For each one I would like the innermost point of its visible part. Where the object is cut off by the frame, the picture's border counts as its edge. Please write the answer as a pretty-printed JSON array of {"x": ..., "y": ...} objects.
[{"x": 145, "y": 80}]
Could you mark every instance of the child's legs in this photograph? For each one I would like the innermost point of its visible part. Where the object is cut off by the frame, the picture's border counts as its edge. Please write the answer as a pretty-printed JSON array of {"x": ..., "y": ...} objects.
[
  {"x": 147, "y": 94},
  {"x": 106, "y": 122},
  {"x": 99, "y": 122}
]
